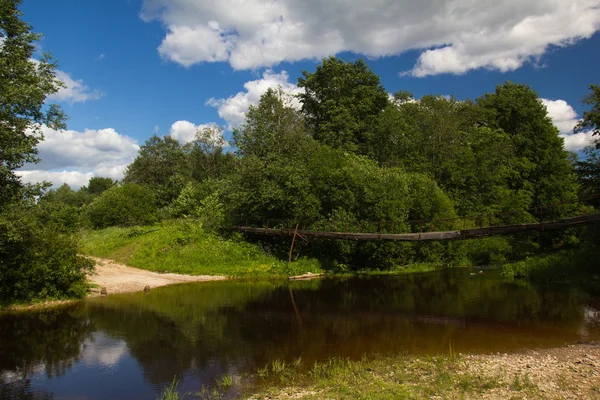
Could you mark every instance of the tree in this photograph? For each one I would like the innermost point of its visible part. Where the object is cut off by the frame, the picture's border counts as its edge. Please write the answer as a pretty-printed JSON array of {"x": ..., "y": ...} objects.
[
  {"x": 25, "y": 84},
  {"x": 591, "y": 118},
  {"x": 273, "y": 128},
  {"x": 207, "y": 156},
  {"x": 127, "y": 205},
  {"x": 163, "y": 166},
  {"x": 588, "y": 170},
  {"x": 37, "y": 260},
  {"x": 98, "y": 185},
  {"x": 544, "y": 168},
  {"x": 341, "y": 103}
]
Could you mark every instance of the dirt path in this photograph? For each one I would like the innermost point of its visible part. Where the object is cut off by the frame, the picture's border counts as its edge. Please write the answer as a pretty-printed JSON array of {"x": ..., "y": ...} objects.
[{"x": 118, "y": 278}]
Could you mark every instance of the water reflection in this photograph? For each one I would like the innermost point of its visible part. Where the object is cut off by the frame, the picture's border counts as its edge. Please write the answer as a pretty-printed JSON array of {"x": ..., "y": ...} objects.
[{"x": 130, "y": 346}]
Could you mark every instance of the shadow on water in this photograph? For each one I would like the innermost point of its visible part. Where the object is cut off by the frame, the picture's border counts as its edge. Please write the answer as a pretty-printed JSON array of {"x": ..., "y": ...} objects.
[{"x": 133, "y": 345}]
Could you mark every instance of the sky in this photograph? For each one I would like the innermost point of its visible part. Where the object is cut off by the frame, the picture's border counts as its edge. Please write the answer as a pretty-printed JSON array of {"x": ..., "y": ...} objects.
[{"x": 134, "y": 68}]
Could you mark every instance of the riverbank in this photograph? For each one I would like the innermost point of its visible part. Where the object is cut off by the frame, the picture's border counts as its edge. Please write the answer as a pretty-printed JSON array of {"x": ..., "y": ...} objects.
[
  {"x": 118, "y": 278},
  {"x": 183, "y": 247},
  {"x": 571, "y": 372}
]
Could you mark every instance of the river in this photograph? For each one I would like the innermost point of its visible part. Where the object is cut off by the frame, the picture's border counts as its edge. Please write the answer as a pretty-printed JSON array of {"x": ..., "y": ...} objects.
[{"x": 131, "y": 346}]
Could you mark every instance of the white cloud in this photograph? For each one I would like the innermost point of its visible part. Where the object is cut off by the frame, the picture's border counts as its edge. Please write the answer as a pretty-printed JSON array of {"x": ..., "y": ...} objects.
[
  {"x": 578, "y": 141},
  {"x": 75, "y": 91},
  {"x": 73, "y": 157},
  {"x": 562, "y": 114},
  {"x": 75, "y": 179},
  {"x": 185, "y": 131},
  {"x": 565, "y": 118},
  {"x": 456, "y": 35},
  {"x": 234, "y": 108}
]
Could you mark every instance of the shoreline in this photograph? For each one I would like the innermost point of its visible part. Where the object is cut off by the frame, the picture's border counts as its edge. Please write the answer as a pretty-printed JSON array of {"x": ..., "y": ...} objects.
[
  {"x": 117, "y": 279},
  {"x": 567, "y": 372}
]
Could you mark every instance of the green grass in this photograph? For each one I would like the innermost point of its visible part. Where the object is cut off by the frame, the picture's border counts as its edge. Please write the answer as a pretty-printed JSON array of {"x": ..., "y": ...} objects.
[
  {"x": 388, "y": 377},
  {"x": 182, "y": 246},
  {"x": 380, "y": 377}
]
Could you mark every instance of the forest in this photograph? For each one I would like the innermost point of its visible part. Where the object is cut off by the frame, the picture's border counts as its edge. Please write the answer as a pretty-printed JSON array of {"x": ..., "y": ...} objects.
[{"x": 344, "y": 155}]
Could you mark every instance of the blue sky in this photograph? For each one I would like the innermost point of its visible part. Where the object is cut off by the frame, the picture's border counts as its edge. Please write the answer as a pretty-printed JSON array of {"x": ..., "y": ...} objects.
[{"x": 137, "y": 67}]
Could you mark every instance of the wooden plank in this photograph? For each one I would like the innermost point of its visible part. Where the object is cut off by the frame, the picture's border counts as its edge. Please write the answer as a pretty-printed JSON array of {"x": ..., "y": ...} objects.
[
  {"x": 428, "y": 236},
  {"x": 305, "y": 277}
]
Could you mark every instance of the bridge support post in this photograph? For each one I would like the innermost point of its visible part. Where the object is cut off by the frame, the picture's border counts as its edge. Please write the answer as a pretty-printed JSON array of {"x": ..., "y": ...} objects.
[{"x": 292, "y": 246}]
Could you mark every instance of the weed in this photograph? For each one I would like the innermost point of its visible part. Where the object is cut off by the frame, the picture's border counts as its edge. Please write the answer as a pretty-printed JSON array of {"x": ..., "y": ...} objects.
[{"x": 225, "y": 382}]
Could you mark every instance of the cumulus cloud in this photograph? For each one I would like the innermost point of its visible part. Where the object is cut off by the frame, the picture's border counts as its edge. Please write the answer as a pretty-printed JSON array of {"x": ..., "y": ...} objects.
[
  {"x": 75, "y": 91},
  {"x": 233, "y": 109},
  {"x": 563, "y": 115},
  {"x": 73, "y": 157},
  {"x": 565, "y": 118},
  {"x": 185, "y": 132},
  {"x": 455, "y": 35}
]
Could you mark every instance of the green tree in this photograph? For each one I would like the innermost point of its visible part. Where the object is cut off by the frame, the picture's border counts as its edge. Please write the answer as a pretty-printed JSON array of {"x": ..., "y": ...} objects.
[
  {"x": 163, "y": 166},
  {"x": 38, "y": 259},
  {"x": 341, "y": 103},
  {"x": 588, "y": 170},
  {"x": 24, "y": 86},
  {"x": 544, "y": 168},
  {"x": 127, "y": 205},
  {"x": 207, "y": 156},
  {"x": 273, "y": 128},
  {"x": 98, "y": 185},
  {"x": 591, "y": 117}
]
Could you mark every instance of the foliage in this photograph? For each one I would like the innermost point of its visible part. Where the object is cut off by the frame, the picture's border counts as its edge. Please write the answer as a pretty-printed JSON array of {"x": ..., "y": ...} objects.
[
  {"x": 38, "y": 250},
  {"x": 207, "y": 156},
  {"x": 341, "y": 102},
  {"x": 98, "y": 185},
  {"x": 183, "y": 246},
  {"x": 591, "y": 117},
  {"x": 24, "y": 86},
  {"x": 126, "y": 205},
  {"x": 543, "y": 168},
  {"x": 193, "y": 202},
  {"x": 161, "y": 165},
  {"x": 37, "y": 261}
]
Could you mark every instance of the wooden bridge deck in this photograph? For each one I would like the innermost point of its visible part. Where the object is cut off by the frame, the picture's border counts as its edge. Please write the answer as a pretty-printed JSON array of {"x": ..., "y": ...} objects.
[{"x": 448, "y": 235}]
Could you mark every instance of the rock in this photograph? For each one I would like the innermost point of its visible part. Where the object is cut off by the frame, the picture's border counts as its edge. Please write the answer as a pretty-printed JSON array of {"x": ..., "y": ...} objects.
[
  {"x": 103, "y": 292},
  {"x": 147, "y": 289}
]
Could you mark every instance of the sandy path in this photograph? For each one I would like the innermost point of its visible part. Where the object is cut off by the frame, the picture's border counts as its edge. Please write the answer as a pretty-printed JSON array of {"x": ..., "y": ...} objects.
[{"x": 118, "y": 278}]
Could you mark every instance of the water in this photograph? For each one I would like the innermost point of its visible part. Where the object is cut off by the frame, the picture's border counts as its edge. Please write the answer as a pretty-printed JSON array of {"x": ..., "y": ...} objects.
[{"x": 131, "y": 346}]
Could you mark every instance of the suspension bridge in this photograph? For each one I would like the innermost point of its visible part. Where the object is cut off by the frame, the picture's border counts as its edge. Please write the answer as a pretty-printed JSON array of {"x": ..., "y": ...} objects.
[{"x": 542, "y": 225}]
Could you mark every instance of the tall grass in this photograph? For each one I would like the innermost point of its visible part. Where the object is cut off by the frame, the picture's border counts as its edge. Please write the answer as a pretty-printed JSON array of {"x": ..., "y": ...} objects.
[{"x": 182, "y": 246}]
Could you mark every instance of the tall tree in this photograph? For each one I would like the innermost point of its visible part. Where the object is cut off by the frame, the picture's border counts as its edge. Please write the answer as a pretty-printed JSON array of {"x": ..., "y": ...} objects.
[
  {"x": 207, "y": 155},
  {"x": 37, "y": 260},
  {"x": 591, "y": 117},
  {"x": 161, "y": 165},
  {"x": 25, "y": 84},
  {"x": 273, "y": 128},
  {"x": 341, "y": 103},
  {"x": 588, "y": 170},
  {"x": 544, "y": 168}
]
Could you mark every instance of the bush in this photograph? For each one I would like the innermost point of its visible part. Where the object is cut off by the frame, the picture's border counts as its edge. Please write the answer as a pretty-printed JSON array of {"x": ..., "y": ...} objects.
[
  {"x": 37, "y": 261},
  {"x": 127, "y": 205}
]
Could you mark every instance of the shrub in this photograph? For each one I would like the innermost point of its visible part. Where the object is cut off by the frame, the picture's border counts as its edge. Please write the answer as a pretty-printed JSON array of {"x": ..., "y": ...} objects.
[
  {"x": 37, "y": 261},
  {"x": 127, "y": 205}
]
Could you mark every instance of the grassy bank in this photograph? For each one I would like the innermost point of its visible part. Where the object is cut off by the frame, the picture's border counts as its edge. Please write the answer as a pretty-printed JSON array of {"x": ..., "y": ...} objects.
[
  {"x": 182, "y": 246},
  {"x": 568, "y": 372}
]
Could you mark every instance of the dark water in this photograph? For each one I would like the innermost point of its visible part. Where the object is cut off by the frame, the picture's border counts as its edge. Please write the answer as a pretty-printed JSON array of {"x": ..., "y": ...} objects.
[{"x": 131, "y": 346}]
